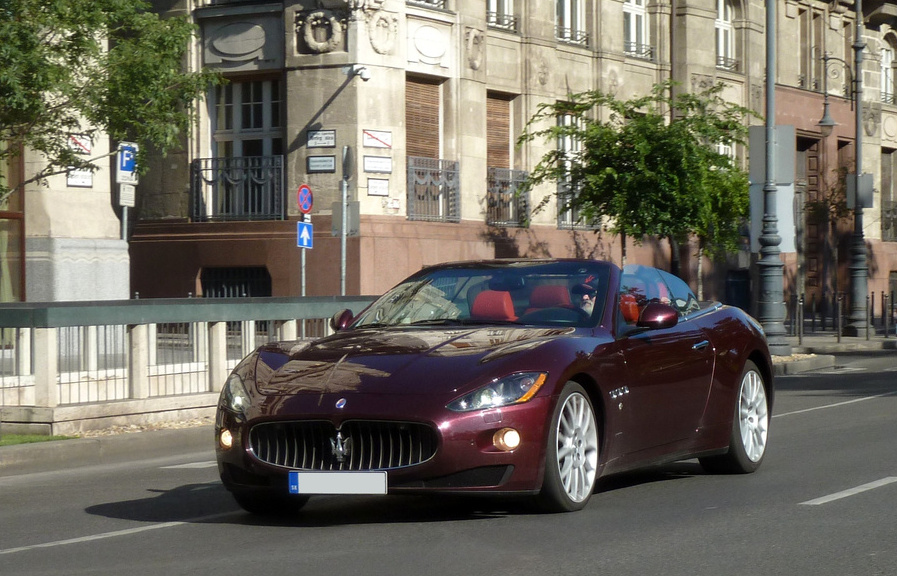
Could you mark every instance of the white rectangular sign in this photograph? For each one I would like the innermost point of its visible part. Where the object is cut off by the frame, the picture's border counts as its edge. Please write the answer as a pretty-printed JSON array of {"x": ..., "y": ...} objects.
[{"x": 380, "y": 164}]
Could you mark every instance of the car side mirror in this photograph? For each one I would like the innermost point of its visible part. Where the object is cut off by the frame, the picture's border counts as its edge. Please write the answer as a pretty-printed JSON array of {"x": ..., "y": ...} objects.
[
  {"x": 657, "y": 316},
  {"x": 341, "y": 320}
]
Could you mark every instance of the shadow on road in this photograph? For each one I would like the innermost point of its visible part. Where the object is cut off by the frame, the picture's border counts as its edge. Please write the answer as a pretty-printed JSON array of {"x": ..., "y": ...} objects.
[{"x": 211, "y": 503}]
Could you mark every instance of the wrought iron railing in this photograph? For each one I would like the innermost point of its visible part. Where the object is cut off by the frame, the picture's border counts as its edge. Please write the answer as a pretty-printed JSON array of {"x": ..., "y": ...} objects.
[
  {"x": 572, "y": 36},
  {"x": 501, "y": 21},
  {"x": 507, "y": 203},
  {"x": 433, "y": 190},
  {"x": 888, "y": 98},
  {"x": 242, "y": 188},
  {"x": 641, "y": 51},
  {"x": 729, "y": 64},
  {"x": 427, "y": 3},
  {"x": 889, "y": 220},
  {"x": 570, "y": 215}
]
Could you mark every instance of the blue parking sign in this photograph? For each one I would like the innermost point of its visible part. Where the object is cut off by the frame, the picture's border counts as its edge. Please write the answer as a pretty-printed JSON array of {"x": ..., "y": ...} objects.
[
  {"x": 127, "y": 163},
  {"x": 304, "y": 235}
]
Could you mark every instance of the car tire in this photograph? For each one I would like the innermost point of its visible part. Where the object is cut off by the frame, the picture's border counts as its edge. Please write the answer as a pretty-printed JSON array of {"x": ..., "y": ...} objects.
[
  {"x": 750, "y": 427},
  {"x": 571, "y": 456},
  {"x": 268, "y": 505}
]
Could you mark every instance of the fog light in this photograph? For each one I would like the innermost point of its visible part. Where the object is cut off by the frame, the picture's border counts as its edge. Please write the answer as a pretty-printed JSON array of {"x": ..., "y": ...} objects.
[
  {"x": 506, "y": 439},
  {"x": 226, "y": 439}
]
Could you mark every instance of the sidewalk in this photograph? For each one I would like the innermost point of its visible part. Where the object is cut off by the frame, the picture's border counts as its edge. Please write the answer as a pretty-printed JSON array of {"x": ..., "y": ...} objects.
[{"x": 820, "y": 350}]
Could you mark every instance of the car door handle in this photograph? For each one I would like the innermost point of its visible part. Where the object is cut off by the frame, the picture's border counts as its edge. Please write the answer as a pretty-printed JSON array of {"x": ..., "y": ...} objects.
[{"x": 701, "y": 345}]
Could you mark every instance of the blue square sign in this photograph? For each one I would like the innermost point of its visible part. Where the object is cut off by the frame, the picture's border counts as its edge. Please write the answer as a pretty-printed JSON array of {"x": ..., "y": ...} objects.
[{"x": 304, "y": 235}]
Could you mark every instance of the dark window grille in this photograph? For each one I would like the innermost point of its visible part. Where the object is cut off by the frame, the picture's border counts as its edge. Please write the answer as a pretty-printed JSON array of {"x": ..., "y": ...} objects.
[
  {"x": 572, "y": 36},
  {"x": 501, "y": 21},
  {"x": 569, "y": 216},
  {"x": 730, "y": 64},
  {"x": 251, "y": 282},
  {"x": 427, "y": 3},
  {"x": 241, "y": 188},
  {"x": 433, "y": 190},
  {"x": 637, "y": 50},
  {"x": 507, "y": 204}
]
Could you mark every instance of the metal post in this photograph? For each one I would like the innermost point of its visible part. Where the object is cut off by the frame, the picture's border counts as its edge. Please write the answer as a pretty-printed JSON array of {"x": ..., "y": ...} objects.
[
  {"x": 344, "y": 199},
  {"x": 771, "y": 302},
  {"x": 800, "y": 320},
  {"x": 858, "y": 267}
]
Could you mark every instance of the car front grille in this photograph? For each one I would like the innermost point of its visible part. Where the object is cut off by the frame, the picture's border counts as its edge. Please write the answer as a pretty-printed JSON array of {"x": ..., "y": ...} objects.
[{"x": 357, "y": 445}]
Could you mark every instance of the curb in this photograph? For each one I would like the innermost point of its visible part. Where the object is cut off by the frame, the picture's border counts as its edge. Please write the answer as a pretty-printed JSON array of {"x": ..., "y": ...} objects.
[
  {"x": 48, "y": 456},
  {"x": 791, "y": 367}
]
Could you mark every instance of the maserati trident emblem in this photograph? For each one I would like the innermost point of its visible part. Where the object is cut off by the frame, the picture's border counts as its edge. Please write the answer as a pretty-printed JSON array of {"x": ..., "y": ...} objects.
[
  {"x": 341, "y": 447},
  {"x": 341, "y": 403}
]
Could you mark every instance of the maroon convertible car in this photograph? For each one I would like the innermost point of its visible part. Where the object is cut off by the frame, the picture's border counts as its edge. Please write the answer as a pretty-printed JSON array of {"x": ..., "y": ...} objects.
[{"x": 510, "y": 377}]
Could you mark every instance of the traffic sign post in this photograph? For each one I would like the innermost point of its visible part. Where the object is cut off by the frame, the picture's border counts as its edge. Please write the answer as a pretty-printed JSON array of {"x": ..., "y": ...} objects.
[
  {"x": 127, "y": 163},
  {"x": 304, "y": 235}
]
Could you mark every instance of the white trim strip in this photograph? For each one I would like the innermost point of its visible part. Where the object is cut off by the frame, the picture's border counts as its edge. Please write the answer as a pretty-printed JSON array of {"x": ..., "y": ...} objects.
[
  {"x": 851, "y": 492},
  {"x": 115, "y": 534},
  {"x": 854, "y": 401}
]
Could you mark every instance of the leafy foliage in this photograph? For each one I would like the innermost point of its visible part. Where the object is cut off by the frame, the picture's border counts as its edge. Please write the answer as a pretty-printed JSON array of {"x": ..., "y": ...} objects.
[
  {"x": 92, "y": 67},
  {"x": 650, "y": 176}
]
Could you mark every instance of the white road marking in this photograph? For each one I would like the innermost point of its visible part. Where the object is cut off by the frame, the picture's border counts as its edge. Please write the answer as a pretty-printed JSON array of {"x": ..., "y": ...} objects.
[
  {"x": 835, "y": 405},
  {"x": 115, "y": 534},
  {"x": 192, "y": 465},
  {"x": 851, "y": 492}
]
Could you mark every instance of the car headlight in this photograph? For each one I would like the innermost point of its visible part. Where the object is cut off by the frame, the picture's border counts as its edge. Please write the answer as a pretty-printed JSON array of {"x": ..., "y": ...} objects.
[
  {"x": 234, "y": 395},
  {"x": 513, "y": 389}
]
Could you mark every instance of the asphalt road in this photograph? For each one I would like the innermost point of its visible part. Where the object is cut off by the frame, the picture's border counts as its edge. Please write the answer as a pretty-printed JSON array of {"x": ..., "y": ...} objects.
[{"x": 824, "y": 503}]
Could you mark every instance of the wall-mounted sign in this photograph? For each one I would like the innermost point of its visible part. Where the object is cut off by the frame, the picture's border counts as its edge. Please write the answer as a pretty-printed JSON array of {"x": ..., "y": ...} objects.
[
  {"x": 126, "y": 195},
  {"x": 376, "y": 139},
  {"x": 80, "y": 143},
  {"x": 378, "y": 187},
  {"x": 380, "y": 164},
  {"x": 317, "y": 164},
  {"x": 77, "y": 178},
  {"x": 321, "y": 139}
]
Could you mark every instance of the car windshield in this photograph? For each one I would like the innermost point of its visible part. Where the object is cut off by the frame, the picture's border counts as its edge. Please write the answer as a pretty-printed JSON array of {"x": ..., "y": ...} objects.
[{"x": 564, "y": 293}]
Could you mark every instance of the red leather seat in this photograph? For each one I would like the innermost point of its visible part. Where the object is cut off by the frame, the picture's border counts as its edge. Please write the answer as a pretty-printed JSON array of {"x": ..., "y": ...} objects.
[
  {"x": 493, "y": 305},
  {"x": 629, "y": 308},
  {"x": 549, "y": 296}
]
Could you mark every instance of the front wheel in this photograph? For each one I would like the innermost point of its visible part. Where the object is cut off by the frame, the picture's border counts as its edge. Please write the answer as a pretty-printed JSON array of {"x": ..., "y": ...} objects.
[
  {"x": 571, "y": 457},
  {"x": 750, "y": 427}
]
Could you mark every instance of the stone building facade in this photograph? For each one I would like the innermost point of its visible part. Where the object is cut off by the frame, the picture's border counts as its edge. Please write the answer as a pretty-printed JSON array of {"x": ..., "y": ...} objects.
[{"x": 413, "y": 108}]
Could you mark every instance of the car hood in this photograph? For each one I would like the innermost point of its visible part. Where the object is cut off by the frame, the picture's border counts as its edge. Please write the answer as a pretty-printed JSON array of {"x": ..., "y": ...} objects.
[{"x": 392, "y": 361}]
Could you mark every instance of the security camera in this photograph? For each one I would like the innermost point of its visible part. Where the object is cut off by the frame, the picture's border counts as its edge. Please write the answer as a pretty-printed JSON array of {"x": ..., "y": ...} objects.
[{"x": 364, "y": 73}]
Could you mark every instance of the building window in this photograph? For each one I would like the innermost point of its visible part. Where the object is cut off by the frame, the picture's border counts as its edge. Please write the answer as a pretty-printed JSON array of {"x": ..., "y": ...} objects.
[
  {"x": 571, "y": 22},
  {"x": 506, "y": 205},
  {"x": 500, "y": 15},
  {"x": 888, "y": 195},
  {"x": 635, "y": 30},
  {"x": 248, "y": 119},
  {"x": 812, "y": 47},
  {"x": 569, "y": 147},
  {"x": 887, "y": 74},
  {"x": 725, "y": 36},
  {"x": 433, "y": 182}
]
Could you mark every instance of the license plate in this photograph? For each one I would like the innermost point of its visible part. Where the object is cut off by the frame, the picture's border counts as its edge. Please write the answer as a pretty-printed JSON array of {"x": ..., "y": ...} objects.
[{"x": 337, "y": 482}]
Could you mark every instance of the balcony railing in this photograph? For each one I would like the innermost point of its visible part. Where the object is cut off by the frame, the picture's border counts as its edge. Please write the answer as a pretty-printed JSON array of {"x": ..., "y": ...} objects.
[
  {"x": 71, "y": 366},
  {"x": 569, "y": 216},
  {"x": 427, "y": 3},
  {"x": 506, "y": 203},
  {"x": 729, "y": 64},
  {"x": 501, "y": 21},
  {"x": 889, "y": 220},
  {"x": 887, "y": 97},
  {"x": 572, "y": 36},
  {"x": 640, "y": 51},
  {"x": 242, "y": 188},
  {"x": 433, "y": 190}
]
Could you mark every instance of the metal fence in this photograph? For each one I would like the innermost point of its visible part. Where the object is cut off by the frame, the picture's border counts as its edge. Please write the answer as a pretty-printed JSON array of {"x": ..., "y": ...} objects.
[
  {"x": 72, "y": 366},
  {"x": 827, "y": 313}
]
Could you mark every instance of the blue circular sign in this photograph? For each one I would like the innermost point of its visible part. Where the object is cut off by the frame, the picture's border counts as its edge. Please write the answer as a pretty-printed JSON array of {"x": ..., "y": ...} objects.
[{"x": 305, "y": 199}]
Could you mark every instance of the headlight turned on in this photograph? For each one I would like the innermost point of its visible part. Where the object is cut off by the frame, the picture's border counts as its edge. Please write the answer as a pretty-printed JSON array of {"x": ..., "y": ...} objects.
[{"x": 513, "y": 389}]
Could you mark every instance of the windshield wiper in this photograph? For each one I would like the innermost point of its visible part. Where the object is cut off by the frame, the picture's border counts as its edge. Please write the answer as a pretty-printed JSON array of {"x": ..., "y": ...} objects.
[{"x": 436, "y": 322}]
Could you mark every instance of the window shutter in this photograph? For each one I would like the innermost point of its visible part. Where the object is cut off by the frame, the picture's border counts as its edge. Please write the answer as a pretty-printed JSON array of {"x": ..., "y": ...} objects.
[
  {"x": 422, "y": 127},
  {"x": 498, "y": 132}
]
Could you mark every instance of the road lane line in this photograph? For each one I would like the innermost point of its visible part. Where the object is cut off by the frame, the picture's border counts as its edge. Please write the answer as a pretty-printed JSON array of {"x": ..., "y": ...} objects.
[
  {"x": 835, "y": 405},
  {"x": 851, "y": 491},
  {"x": 115, "y": 534},
  {"x": 192, "y": 465}
]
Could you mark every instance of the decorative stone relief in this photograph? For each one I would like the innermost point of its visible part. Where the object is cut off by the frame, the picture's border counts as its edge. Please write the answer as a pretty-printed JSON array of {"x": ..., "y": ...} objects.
[
  {"x": 541, "y": 71},
  {"x": 475, "y": 43},
  {"x": 872, "y": 119},
  {"x": 701, "y": 82},
  {"x": 242, "y": 44},
  {"x": 321, "y": 31},
  {"x": 383, "y": 29},
  {"x": 430, "y": 44},
  {"x": 889, "y": 127}
]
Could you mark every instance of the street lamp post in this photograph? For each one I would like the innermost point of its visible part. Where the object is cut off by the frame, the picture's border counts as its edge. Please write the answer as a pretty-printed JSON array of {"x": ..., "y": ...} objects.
[{"x": 858, "y": 267}]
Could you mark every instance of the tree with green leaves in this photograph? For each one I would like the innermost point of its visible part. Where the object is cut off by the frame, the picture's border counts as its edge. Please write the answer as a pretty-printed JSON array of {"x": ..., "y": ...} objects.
[
  {"x": 651, "y": 166},
  {"x": 93, "y": 68}
]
